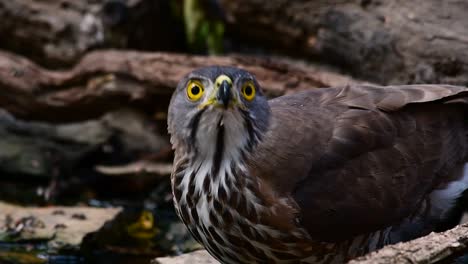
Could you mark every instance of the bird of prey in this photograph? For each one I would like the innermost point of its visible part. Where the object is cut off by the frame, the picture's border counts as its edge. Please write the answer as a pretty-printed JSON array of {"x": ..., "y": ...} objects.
[{"x": 320, "y": 176}]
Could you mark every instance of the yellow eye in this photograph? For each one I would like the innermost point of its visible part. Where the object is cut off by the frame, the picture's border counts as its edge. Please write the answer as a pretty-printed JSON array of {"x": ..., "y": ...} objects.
[
  {"x": 248, "y": 91},
  {"x": 195, "y": 90}
]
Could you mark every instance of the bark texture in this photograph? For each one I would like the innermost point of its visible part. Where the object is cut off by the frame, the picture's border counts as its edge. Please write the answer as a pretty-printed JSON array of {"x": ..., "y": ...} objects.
[
  {"x": 388, "y": 42},
  {"x": 105, "y": 80},
  {"x": 432, "y": 248}
]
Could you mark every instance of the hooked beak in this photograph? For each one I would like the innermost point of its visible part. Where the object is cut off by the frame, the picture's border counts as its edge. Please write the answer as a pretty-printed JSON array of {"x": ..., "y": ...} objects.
[{"x": 224, "y": 93}]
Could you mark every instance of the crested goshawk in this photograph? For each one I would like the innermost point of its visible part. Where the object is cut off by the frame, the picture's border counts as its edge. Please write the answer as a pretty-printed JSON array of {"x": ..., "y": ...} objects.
[{"x": 319, "y": 176}]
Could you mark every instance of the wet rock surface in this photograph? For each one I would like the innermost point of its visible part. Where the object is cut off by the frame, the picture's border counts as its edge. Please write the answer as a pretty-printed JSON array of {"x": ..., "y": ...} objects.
[
  {"x": 60, "y": 227},
  {"x": 196, "y": 257}
]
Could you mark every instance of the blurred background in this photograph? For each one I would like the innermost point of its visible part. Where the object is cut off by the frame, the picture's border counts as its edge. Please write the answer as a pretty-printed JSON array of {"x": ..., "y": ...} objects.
[{"x": 85, "y": 157}]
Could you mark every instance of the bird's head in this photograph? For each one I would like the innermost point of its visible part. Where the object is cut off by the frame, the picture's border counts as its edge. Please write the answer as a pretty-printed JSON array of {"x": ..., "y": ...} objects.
[{"x": 218, "y": 109}]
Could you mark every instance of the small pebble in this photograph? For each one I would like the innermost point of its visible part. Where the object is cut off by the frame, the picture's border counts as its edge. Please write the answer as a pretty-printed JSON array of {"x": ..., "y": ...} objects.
[
  {"x": 79, "y": 216},
  {"x": 58, "y": 212},
  {"x": 60, "y": 226}
]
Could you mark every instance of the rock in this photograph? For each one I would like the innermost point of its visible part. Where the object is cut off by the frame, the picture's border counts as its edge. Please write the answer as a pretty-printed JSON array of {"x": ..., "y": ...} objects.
[
  {"x": 43, "y": 150},
  {"x": 177, "y": 239},
  {"x": 39, "y": 149},
  {"x": 196, "y": 257},
  {"x": 137, "y": 131},
  {"x": 62, "y": 227}
]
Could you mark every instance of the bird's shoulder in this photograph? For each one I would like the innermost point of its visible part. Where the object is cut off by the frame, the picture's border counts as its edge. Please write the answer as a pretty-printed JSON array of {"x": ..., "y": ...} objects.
[
  {"x": 344, "y": 122},
  {"x": 342, "y": 153},
  {"x": 366, "y": 96},
  {"x": 323, "y": 126}
]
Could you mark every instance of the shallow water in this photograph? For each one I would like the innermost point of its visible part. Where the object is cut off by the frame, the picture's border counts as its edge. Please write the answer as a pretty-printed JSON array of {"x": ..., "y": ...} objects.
[{"x": 116, "y": 241}]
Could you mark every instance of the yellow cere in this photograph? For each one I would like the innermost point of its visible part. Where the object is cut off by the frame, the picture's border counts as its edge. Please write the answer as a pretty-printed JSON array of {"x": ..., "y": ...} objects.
[
  {"x": 222, "y": 78},
  {"x": 195, "y": 90},
  {"x": 248, "y": 91}
]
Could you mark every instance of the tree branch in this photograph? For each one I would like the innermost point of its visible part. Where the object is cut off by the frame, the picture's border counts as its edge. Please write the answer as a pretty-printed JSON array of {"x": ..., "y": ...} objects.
[{"x": 429, "y": 249}]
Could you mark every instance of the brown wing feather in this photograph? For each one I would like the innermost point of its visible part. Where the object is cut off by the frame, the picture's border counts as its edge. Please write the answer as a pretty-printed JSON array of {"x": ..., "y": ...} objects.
[{"x": 361, "y": 158}]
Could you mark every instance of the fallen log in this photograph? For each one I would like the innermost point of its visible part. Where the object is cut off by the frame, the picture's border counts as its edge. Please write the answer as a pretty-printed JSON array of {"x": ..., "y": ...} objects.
[
  {"x": 56, "y": 33},
  {"x": 387, "y": 42},
  {"x": 105, "y": 80},
  {"x": 432, "y": 248}
]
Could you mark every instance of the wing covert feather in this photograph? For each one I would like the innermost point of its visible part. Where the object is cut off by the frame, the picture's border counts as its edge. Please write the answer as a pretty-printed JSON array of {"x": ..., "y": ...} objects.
[{"x": 357, "y": 159}]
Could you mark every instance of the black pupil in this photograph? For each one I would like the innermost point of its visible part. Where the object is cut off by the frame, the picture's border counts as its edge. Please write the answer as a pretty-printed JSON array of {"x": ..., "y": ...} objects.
[
  {"x": 195, "y": 90},
  {"x": 248, "y": 90}
]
